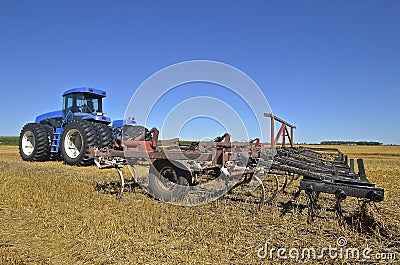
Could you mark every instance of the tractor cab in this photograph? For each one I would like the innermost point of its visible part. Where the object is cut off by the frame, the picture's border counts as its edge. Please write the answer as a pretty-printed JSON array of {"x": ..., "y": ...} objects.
[{"x": 84, "y": 104}]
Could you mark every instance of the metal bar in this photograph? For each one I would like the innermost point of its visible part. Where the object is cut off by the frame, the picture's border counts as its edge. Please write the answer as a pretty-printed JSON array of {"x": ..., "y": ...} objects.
[
  {"x": 281, "y": 130},
  {"x": 284, "y": 135},
  {"x": 171, "y": 155},
  {"x": 372, "y": 193},
  {"x": 351, "y": 165},
  {"x": 297, "y": 171},
  {"x": 270, "y": 115},
  {"x": 324, "y": 149},
  {"x": 174, "y": 141},
  {"x": 273, "y": 143},
  {"x": 361, "y": 169},
  {"x": 291, "y": 136}
]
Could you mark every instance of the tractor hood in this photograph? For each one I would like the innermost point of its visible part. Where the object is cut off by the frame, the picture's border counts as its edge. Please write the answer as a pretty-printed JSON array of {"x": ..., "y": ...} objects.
[{"x": 49, "y": 115}]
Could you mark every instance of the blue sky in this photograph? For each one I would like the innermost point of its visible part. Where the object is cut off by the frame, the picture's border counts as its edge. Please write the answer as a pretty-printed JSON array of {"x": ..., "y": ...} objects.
[{"x": 330, "y": 67}]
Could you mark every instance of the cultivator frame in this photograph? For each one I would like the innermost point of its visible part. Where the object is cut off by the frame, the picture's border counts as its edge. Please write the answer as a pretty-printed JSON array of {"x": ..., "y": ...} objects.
[{"x": 321, "y": 170}]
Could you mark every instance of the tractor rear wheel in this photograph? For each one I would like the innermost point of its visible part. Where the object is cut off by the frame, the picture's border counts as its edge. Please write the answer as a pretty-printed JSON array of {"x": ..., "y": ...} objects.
[
  {"x": 34, "y": 143},
  {"x": 104, "y": 134},
  {"x": 166, "y": 179},
  {"x": 76, "y": 139}
]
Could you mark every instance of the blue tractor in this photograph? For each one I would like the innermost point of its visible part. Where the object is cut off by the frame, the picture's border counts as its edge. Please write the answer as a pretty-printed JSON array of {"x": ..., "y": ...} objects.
[{"x": 67, "y": 134}]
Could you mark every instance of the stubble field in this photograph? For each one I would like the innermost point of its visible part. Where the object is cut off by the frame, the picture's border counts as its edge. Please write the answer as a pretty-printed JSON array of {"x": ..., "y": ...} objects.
[{"x": 51, "y": 213}]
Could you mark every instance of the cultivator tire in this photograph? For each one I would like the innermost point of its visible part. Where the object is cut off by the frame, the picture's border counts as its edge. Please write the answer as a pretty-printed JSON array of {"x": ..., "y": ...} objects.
[
  {"x": 34, "y": 143},
  {"x": 76, "y": 139},
  {"x": 166, "y": 180},
  {"x": 105, "y": 135}
]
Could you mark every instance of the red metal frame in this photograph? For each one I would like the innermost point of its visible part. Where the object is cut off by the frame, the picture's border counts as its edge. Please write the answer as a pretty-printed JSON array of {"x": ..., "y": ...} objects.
[{"x": 283, "y": 131}]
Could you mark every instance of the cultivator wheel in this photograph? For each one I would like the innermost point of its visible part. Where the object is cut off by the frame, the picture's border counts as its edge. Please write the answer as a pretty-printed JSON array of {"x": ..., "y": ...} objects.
[{"x": 166, "y": 179}]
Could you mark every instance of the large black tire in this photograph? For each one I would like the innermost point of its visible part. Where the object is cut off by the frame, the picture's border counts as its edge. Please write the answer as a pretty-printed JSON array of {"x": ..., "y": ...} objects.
[
  {"x": 34, "y": 143},
  {"x": 104, "y": 134},
  {"x": 76, "y": 139},
  {"x": 166, "y": 180}
]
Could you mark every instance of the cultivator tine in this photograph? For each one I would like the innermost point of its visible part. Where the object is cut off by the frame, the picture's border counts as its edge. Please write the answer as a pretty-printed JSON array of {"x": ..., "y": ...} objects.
[
  {"x": 340, "y": 196},
  {"x": 297, "y": 194},
  {"x": 311, "y": 204},
  {"x": 316, "y": 198},
  {"x": 286, "y": 183},
  {"x": 116, "y": 162},
  {"x": 262, "y": 200},
  {"x": 121, "y": 177},
  {"x": 363, "y": 206}
]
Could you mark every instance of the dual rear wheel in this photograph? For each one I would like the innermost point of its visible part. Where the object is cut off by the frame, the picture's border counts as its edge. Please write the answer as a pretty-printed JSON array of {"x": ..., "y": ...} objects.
[{"x": 34, "y": 143}]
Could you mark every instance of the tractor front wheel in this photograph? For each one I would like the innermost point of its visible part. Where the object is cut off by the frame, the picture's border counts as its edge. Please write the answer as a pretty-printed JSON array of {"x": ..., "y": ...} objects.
[{"x": 76, "y": 139}]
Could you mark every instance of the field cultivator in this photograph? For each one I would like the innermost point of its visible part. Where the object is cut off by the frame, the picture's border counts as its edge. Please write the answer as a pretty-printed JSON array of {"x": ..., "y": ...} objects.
[{"x": 196, "y": 172}]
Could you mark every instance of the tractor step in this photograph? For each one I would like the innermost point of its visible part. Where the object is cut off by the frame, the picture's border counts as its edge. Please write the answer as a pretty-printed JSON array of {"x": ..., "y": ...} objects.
[{"x": 55, "y": 143}]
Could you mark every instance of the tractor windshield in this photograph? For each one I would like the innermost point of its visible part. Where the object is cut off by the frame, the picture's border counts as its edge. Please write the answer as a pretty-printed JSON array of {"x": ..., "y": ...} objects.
[{"x": 82, "y": 103}]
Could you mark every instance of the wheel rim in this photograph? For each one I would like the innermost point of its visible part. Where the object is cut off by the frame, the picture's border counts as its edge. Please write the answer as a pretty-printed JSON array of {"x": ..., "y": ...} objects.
[
  {"x": 28, "y": 143},
  {"x": 167, "y": 178},
  {"x": 73, "y": 143}
]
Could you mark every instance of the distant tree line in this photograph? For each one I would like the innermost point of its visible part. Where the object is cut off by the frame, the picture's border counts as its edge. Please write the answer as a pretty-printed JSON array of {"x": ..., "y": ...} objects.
[
  {"x": 350, "y": 143},
  {"x": 9, "y": 140}
]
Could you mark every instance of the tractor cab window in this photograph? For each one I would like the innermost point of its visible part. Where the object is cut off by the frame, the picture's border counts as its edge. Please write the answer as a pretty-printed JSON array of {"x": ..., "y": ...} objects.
[
  {"x": 82, "y": 103},
  {"x": 88, "y": 103}
]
